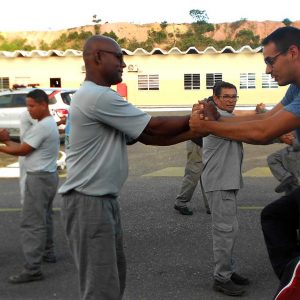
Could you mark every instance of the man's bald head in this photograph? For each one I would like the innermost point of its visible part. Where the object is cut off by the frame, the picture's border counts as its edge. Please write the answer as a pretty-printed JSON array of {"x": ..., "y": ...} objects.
[
  {"x": 97, "y": 42},
  {"x": 103, "y": 58}
]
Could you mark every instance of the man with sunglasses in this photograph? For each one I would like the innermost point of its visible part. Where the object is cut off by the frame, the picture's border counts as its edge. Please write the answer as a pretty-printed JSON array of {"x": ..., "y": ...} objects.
[
  {"x": 102, "y": 123},
  {"x": 280, "y": 219}
]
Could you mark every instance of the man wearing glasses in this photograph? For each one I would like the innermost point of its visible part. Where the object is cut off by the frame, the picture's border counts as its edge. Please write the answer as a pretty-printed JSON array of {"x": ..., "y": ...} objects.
[
  {"x": 222, "y": 178},
  {"x": 280, "y": 219}
]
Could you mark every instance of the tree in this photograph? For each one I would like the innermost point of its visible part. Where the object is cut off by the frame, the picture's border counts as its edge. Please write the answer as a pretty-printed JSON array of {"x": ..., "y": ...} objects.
[
  {"x": 200, "y": 16},
  {"x": 96, "y": 20},
  {"x": 245, "y": 36},
  {"x": 163, "y": 25},
  {"x": 287, "y": 22}
]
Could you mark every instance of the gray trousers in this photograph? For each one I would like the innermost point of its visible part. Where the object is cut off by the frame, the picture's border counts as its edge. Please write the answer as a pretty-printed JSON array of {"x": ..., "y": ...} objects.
[
  {"x": 224, "y": 231},
  {"x": 36, "y": 222},
  {"x": 284, "y": 163},
  {"x": 192, "y": 175},
  {"x": 94, "y": 232}
]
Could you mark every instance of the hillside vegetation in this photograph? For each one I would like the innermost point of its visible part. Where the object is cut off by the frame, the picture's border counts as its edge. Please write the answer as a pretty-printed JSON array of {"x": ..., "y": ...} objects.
[{"x": 148, "y": 36}]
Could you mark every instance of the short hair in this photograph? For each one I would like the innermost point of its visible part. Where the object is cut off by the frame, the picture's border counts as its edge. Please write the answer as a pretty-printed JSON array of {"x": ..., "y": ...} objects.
[
  {"x": 283, "y": 38},
  {"x": 38, "y": 95},
  {"x": 219, "y": 85}
]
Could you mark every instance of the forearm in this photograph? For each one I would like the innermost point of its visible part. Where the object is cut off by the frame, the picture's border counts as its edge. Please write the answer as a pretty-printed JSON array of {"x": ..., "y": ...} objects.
[
  {"x": 166, "y": 140},
  {"x": 167, "y": 125},
  {"x": 251, "y": 132},
  {"x": 13, "y": 148}
]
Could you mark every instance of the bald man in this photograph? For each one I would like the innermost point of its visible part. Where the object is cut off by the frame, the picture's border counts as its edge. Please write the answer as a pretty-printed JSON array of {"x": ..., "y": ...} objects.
[{"x": 102, "y": 124}]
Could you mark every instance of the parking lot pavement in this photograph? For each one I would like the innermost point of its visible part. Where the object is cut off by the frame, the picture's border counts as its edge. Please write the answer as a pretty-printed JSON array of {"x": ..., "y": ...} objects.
[{"x": 169, "y": 255}]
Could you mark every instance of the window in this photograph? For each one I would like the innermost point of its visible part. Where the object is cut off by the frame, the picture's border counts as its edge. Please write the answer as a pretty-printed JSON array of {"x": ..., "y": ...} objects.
[
  {"x": 13, "y": 100},
  {"x": 212, "y": 78},
  {"x": 55, "y": 82},
  {"x": 247, "y": 80},
  {"x": 148, "y": 82},
  {"x": 192, "y": 81},
  {"x": 4, "y": 83},
  {"x": 268, "y": 82}
]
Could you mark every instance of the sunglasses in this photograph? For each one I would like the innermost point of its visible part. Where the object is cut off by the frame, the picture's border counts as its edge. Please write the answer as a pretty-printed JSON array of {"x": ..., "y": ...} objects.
[{"x": 117, "y": 55}]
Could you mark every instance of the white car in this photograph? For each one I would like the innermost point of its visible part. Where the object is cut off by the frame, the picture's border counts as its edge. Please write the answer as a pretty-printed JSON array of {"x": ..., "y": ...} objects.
[{"x": 13, "y": 103}]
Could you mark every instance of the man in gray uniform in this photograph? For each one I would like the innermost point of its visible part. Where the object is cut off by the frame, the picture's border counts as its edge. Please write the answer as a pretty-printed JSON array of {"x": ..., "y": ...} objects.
[
  {"x": 222, "y": 178},
  {"x": 192, "y": 175},
  {"x": 40, "y": 147},
  {"x": 285, "y": 164},
  {"x": 102, "y": 123}
]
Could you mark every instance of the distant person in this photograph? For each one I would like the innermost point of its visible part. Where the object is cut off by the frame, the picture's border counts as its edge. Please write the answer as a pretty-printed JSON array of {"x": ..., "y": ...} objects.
[
  {"x": 285, "y": 164},
  {"x": 40, "y": 147},
  {"x": 26, "y": 122},
  {"x": 192, "y": 175},
  {"x": 280, "y": 219},
  {"x": 102, "y": 123}
]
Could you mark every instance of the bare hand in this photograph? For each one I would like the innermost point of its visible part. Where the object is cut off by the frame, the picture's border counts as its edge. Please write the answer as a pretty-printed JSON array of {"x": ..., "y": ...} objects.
[
  {"x": 4, "y": 135},
  {"x": 260, "y": 108},
  {"x": 210, "y": 112},
  {"x": 197, "y": 125},
  {"x": 287, "y": 138}
]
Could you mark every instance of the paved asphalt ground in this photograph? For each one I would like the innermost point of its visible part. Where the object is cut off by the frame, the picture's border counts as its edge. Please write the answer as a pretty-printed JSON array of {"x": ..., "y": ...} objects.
[{"x": 169, "y": 255}]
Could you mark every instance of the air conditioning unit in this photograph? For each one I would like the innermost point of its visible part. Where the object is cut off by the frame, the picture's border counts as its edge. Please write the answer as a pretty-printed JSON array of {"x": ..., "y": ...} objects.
[
  {"x": 83, "y": 69},
  {"x": 132, "y": 68}
]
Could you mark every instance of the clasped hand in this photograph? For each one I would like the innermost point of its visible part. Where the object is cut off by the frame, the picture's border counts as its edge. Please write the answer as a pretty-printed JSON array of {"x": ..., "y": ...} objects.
[
  {"x": 201, "y": 112},
  {"x": 4, "y": 135}
]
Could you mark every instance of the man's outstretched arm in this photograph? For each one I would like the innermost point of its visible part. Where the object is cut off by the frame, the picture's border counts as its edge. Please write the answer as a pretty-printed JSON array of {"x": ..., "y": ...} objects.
[{"x": 252, "y": 132}]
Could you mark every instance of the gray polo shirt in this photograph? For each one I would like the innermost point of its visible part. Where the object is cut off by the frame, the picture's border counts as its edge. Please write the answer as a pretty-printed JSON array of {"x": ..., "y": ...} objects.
[
  {"x": 44, "y": 138},
  {"x": 101, "y": 122}
]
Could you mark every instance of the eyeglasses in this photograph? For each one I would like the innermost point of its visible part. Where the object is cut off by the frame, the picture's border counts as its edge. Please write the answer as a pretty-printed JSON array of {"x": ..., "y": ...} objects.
[
  {"x": 228, "y": 97},
  {"x": 270, "y": 60},
  {"x": 117, "y": 55}
]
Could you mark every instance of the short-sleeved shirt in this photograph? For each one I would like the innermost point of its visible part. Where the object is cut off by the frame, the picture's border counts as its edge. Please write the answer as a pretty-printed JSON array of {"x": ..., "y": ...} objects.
[
  {"x": 44, "y": 138},
  {"x": 222, "y": 162},
  {"x": 26, "y": 122},
  {"x": 101, "y": 123},
  {"x": 291, "y": 103}
]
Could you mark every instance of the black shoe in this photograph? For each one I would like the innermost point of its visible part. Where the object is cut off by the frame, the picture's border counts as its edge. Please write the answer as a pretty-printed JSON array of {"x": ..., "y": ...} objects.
[
  {"x": 25, "y": 277},
  {"x": 50, "y": 258},
  {"x": 184, "y": 210},
  {"x": 239, "y": 280},
  {"x": 228, "y": 288},
  {"x": 290, "y": 282},
  {"x": 286, "y": 183},
  {"x": 208, "y": 211}
]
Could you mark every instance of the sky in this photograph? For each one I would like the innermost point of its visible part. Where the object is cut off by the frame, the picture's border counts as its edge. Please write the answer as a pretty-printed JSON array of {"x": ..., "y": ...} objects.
[{"x": 38, "y": 15}]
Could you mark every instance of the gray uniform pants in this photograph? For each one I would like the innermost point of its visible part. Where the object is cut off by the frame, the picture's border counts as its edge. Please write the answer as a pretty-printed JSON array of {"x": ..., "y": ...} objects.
[
  {"x": 284, "y": 163},
  {"x": 36, "y": 222},
  {"x": 192, "y": 174},
  {"x": 224, "y": 231},
  {"x": 94, "y": 232}
]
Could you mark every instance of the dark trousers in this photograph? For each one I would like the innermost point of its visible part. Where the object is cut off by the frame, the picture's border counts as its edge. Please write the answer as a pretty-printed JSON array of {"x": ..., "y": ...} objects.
[{"x": 280, "y": 223}]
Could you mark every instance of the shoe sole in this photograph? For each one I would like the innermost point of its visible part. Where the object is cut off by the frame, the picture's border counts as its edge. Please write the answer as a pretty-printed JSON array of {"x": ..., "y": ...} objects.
[
  {"x": 14, "y": 280},
  {"x": 185, "y": 214},
  {"x": 292, "y": 290},
  {"x": 227, "y": 292}
]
